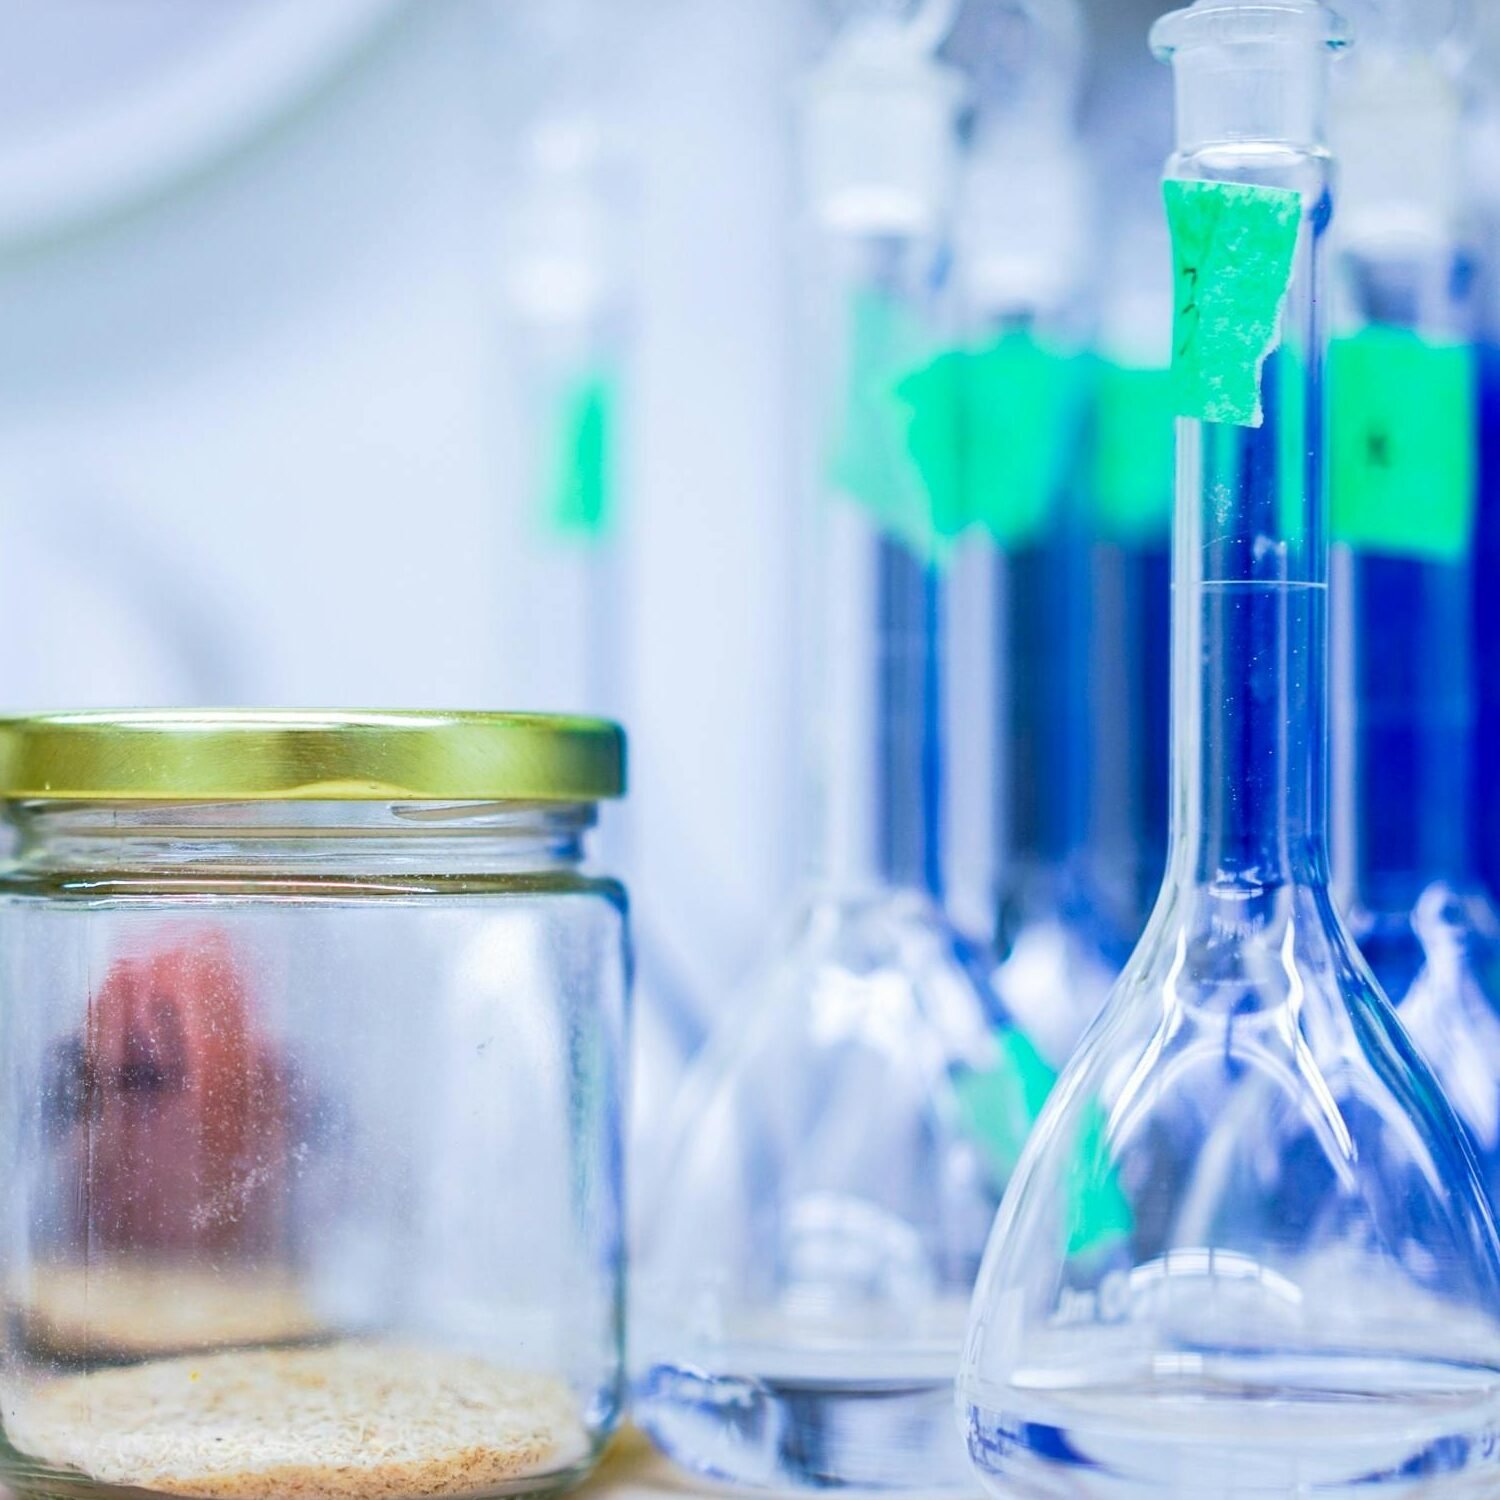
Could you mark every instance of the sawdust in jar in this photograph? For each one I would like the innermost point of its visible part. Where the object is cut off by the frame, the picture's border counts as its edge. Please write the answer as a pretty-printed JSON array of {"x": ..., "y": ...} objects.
[{"x": 349, "y": 1421}]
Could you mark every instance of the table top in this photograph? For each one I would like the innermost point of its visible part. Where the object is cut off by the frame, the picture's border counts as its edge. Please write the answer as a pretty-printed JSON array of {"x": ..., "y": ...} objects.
[{"x": 633, "y": 1470}]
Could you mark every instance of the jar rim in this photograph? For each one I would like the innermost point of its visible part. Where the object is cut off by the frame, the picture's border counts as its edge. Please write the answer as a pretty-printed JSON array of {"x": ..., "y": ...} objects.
[{"x": 328, "y": 755}]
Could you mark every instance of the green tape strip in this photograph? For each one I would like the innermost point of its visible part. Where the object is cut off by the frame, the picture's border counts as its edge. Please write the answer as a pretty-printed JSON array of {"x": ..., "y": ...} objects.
[
  {"x": 1000, "y": 1104},
  {"x": 1402, "y": 431},
  {"x": 1233, "y": 250},
  {"x": 1023, "y": 418},
  {"x": 934, "y": 401},
  {"x": 1135, "y": 445},
  {"x": 1099, "y": 1212},
  {"x": 932, "y": 446},
  {"x": 579, "y": 502},
  {"x": 896, "y": 449}
]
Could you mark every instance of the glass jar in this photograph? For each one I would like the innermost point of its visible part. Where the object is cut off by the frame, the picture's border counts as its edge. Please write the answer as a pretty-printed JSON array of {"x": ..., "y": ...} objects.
[{"x": 311, "y": 1044}]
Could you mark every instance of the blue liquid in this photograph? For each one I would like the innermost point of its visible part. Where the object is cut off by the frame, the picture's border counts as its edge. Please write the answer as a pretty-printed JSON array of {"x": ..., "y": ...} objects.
[{"x": 1487, "y": 617}]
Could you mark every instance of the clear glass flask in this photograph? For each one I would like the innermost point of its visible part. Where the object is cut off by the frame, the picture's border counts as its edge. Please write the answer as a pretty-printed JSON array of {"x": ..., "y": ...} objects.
[
  {"x": 1300, "y": 1289},
  {"x": 1403, "y": 441},
  {"x": 800, "y": 1293}
]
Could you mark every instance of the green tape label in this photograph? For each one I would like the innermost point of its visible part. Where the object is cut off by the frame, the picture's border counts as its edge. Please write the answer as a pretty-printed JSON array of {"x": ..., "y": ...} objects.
[
  {"x": 932, "y": 446},
  {"x": 1233, "y": 249},
  {"x": 1023, "y": 416},
  {"x": 1099, "y": 1213},
  {"x": 999, "y": 1106},
  {"x": 1402, "y": 431},
  {"x": 896, "y": 449},
  {"x": 579, "y": 500},
  {"x": 1134, "y": 461}
]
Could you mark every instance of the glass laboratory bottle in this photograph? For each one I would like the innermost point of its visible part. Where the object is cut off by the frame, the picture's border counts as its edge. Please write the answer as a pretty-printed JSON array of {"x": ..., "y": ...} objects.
[
  {"x": 1299, "y": 1294},
  {"x": 1487, "y": 601},
  {"x": 801, "y": 1289},
  {"x": 1482, "y": 141},
  {"x": 1025, "y": 607},
  {"x": 313, "y": 1036},
  {"x": 569, "y": 323},
  {"x": 1403, "y": 445}
]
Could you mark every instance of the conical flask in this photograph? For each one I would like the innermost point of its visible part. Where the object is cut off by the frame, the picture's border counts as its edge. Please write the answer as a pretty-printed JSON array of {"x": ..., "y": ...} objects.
[
  {"x": 799, "y": 1299},
  {"x": 1404, "y": 448},
  {"x": 1300, "y": 1293}
]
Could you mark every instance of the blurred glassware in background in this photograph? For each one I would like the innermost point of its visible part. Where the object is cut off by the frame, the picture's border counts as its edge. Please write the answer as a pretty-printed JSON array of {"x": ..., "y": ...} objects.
[
  {"x": 1033, "y": 744},
  {"x": 1131, "y": 489},
  {"x": 1403, "y": 446},
  {"x": 569, "y": 287},
  {"x": 1299, "y": 1289},
  {"x": 1481, "y": 173},
  {"x": 801, "y": 1288}
]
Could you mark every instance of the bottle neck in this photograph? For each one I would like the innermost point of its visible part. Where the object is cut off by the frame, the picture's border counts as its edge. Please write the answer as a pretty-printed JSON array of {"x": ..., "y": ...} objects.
[
  {"x": 875, "y": 764},
  {"x": 1405, "y": 653},
  {"x": 873, "y": 590},
  {"x": 1250, "y": 590},
  {"x": 1403, "y": 632},
  {"x": 268, "y": 840}
]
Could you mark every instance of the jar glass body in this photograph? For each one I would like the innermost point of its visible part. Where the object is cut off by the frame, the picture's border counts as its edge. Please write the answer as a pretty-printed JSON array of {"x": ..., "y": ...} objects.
[{"x": 311, "y": 1125}]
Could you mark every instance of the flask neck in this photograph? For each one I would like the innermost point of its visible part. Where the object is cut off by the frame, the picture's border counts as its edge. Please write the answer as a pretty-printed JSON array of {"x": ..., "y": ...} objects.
[
  {"x": 1403, "y": 626},
  {"x": 876, "y": 760},
  {"x": 870, "y": 582},
  {"x": 1250, "y": 588},
  {"x": 1406, "y": 775}
]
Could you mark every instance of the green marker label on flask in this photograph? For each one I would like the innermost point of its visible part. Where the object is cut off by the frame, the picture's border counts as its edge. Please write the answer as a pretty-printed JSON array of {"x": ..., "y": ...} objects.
[
  {"x": 895, "y": 450},
  {"x": 932, "y": 446},
  {"x": 1134, "y": 459},
  {"x": 992, "y": 434},
  {"x": 1022, "y": 419},
  {"x": 1402, "y": 433},
  {"x": 1233, "y": 247},
  {"x": 579, "y": 500},
  {"x": 1000, "y": 1104}
]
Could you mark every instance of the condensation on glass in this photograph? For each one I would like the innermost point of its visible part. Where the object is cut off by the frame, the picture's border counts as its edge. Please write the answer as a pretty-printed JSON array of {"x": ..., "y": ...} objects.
[{"x": 311, "y": 1029}]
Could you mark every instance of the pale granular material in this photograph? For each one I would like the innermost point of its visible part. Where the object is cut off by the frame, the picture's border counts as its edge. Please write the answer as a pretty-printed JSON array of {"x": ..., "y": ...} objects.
[{"x": 341, "y": 1422}]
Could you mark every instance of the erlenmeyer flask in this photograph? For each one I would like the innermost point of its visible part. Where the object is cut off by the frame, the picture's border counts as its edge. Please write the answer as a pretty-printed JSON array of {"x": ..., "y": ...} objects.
[
  {"x": 1299, "y": 1295},
  {"x": 1403, "y": 443},
  {"x": 800, "y": 1294}
]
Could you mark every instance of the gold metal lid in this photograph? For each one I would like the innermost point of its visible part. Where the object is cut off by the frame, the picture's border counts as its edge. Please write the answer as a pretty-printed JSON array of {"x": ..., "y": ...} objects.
[{"x": 231, "y": 755}]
